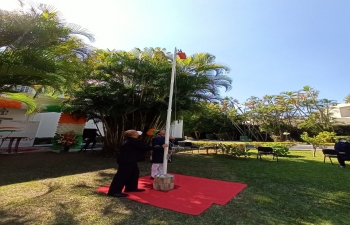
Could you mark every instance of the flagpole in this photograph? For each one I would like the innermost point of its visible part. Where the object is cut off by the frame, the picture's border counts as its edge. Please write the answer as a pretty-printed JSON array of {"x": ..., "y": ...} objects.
[{"x": 168, "y": 119}]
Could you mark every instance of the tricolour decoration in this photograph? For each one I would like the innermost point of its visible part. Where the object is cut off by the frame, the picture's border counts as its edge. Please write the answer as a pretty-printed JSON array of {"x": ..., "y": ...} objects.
[
  {"x": 68, "y": 124},
  {"x": 53, "y": 108},
  {"x": 11, "y": 104},
  {"x": 152, "y": 132}
]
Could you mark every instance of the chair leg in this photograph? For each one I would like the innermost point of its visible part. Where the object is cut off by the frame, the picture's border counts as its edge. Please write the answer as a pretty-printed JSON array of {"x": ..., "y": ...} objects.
[
  {"x": 324, "y": 159},
  {"x": 330, "y": 159}
]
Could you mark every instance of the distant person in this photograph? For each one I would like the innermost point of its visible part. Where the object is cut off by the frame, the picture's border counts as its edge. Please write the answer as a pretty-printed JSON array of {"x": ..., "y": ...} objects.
[
  {"x": 342, "y": 147},
  {"x": 91, "y": 138},
  {"x": 132, "y": 151},
  {"x": 158, "y": 155}
]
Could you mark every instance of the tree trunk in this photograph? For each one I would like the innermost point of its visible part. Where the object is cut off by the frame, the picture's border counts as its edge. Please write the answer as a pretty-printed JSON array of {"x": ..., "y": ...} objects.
[
  {"x": 197, "y": 134},
  {"x": 314, "y": 151}
]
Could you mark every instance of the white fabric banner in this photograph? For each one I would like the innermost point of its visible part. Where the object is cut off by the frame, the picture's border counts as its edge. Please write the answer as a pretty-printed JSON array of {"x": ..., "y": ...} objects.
[{"x": 18, "y": 128}]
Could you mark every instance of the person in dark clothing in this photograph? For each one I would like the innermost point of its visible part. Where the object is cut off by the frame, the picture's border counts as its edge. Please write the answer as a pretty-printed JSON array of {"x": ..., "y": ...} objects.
[
  {"x": 132, "y": 151},
  {"x": 90, "y": 139},
  {"x": 158, "y": 155},
  {"x": 342, "y": 147}
]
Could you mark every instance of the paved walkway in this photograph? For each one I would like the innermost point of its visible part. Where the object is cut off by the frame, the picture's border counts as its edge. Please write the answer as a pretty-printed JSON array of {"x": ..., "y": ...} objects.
[
  {"x": 295, "y": 147},
  {"x": 46, "y": 148},
  {"x": 40, "y": 148}
]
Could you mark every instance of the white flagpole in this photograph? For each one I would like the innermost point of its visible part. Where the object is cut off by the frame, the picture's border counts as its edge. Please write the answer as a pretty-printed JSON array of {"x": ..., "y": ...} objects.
[{"x": 168, "y": 118}]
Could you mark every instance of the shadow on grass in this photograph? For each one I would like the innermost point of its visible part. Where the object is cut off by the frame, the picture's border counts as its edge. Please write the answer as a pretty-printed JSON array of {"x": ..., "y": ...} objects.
[
  {"x": 7, "y": 217},
  {"x": 61, "y": 215},
  {"x": 35, "y": 166}
]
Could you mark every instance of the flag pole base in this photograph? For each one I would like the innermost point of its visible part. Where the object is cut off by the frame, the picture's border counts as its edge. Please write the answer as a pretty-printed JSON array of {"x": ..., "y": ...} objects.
[{"x": 163, "y": 182}]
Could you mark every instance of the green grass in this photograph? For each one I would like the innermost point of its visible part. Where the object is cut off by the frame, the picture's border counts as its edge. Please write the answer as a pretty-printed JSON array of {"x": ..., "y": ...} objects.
[{"x": 50, "y": 188}]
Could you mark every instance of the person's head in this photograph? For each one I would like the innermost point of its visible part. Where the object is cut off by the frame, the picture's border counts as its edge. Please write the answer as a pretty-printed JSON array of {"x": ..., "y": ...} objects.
[
  {"x": 161, "y": 133},
  {"x": 342, "y": 140},
  {"x": 131, "y": 134}
]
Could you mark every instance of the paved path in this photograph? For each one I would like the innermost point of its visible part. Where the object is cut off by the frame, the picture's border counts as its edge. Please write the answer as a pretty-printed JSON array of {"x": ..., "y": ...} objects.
[
  {"x": 295, "y": 147},
  {"x": 306, "y": 147}
]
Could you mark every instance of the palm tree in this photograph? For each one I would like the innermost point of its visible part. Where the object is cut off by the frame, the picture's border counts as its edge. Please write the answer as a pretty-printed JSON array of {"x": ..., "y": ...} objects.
[
  {"x": 38, "y": 48},
  {"x": 347, "y": 99},
  {"x": 131, "y": 90},
  {"x": 203, "y": 66}
]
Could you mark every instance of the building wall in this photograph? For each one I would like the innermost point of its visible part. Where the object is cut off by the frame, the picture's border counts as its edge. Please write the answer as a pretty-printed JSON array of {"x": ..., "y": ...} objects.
[
  {"x": 341, "y": 113},
  {"x": 48, "y": 124},
  {"x": 49, "y": 121},
  {"x": 16, "y": 124},
  {"x": 345, "y": 111},
  {"x": 15, "y": 114}
]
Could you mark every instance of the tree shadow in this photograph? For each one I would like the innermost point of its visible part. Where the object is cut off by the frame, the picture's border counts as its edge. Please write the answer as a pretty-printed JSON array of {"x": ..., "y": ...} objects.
[
  {"x": 34, "y": 166},
  {"x": 8, "y": 217}
]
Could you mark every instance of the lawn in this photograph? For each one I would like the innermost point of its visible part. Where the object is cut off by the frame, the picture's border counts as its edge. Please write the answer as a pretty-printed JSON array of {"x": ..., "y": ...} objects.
[{"x": 50, "y": 188}]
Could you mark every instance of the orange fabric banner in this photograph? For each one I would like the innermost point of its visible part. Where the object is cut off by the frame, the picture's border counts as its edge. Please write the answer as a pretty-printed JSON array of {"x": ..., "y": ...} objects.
[
  {"x": 11, "y": 104},
  {"x": 68, "y": 118}
]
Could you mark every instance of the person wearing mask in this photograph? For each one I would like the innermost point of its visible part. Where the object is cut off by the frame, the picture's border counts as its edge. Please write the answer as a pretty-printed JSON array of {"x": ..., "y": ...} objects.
[{"x": 127, "y": 174}]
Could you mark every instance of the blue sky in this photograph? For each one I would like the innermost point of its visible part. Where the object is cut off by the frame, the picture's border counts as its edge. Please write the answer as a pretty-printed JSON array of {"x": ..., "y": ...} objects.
[{"x": 271, "y": 46}]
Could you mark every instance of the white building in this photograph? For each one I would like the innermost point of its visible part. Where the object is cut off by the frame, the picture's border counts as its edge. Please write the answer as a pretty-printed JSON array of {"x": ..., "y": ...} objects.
[
  {"x": 341, "y": 113},
  {"x": 44, "y": 125}
]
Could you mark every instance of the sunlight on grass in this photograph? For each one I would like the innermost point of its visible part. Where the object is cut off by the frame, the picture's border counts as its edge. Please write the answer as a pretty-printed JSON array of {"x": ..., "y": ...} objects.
[{"x": 261, "y": 198}]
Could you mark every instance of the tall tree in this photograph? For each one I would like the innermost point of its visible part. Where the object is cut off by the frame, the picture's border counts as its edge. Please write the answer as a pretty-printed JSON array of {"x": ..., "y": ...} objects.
[
  {"x": 38, "y": 48},
  {"x": 131, "y": 90},
  {"x": 347, "y": 99}
]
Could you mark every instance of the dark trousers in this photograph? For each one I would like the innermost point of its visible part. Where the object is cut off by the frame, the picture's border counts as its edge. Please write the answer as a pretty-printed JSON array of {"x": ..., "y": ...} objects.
[
  {"x": 128, "y": 176},
  {"x": 87, "y": 143},
  {"x": 342, "y": 157}
]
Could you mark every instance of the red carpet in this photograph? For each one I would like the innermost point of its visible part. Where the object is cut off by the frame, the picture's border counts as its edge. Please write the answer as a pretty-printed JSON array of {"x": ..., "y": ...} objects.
[{"x": 192, "y": 195}]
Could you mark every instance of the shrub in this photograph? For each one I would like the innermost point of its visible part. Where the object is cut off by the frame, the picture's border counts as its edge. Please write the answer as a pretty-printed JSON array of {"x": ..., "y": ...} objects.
[
  {"x": 338, "y": 137},
  {"x": 281, "y": 150},
  {"x": 236, "y": 150}
]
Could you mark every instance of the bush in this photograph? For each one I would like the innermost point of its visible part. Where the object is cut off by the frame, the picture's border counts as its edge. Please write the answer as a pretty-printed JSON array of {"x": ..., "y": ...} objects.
[
  {"x": 236, "y": 150},
  {"x": 281, "y": 150},
  {"x": 345, "y": 137}
]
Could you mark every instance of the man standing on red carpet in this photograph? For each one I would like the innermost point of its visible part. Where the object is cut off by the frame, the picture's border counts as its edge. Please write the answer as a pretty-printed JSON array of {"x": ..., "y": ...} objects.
[{"x": 128, "y": 172}]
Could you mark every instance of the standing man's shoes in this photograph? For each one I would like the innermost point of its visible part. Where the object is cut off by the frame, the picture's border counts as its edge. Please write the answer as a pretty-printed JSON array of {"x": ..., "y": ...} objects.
[
  {"x": 119, "y": 195},
  {"x": 135, "y": 190}
]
